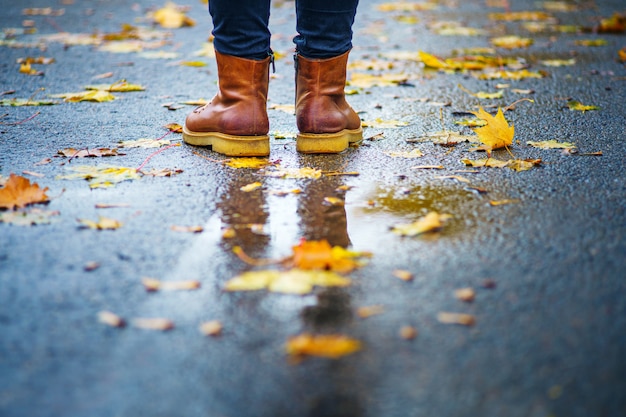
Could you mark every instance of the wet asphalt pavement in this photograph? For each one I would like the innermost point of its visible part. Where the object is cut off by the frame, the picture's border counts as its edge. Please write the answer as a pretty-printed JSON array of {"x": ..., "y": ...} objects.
[{"x": 548, "y": 269}]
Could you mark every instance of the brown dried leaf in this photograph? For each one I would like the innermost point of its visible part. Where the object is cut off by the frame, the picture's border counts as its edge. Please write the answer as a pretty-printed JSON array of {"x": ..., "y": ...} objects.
[
  {"x": 19, "y": 192},
  {"x": 456, "y": 318},
  {"x": 408, "y": 332},
  {"x": 151, "y": 284},
  {"x": 369, "y": 311}
]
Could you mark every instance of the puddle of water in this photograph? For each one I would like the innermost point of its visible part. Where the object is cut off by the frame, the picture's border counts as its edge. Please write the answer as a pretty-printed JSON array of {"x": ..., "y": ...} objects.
[{"x": 374, "y": 211}]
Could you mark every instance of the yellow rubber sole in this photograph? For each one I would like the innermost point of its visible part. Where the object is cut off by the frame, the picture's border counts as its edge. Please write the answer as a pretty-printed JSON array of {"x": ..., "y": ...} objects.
[
  {"x": 328, "y": 142},
  {"x": 229, "y": 145}
]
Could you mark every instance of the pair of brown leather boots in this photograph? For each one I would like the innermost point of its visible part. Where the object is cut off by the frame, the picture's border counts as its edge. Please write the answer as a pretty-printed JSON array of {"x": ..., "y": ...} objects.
[{"x": 235, "y": 122}]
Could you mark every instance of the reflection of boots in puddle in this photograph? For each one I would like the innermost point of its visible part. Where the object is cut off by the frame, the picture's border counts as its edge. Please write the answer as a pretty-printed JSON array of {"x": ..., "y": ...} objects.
[
  {"x": 244, "y": 215},
  {"x": 321, "y": 218}
]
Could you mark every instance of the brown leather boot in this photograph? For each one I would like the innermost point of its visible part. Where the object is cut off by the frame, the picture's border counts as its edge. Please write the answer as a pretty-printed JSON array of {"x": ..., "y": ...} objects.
[
  {"x": 235, "y": 122},
  {"x": 326, "y": 122}
]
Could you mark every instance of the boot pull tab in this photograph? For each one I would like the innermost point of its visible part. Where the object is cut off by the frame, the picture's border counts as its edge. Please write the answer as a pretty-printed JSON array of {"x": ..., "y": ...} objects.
[{"x": 272, "y": 61}]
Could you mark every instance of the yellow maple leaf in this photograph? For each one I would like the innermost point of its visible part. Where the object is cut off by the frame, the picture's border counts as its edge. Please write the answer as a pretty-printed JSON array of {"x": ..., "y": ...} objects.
[
  {"x": 19, "y": 192},
  {"x": 328, "y": 346},
  {"x": 578, "y": 106},
  {"x": 496, "y": 133},
  {"x": 318, "y": 254}
]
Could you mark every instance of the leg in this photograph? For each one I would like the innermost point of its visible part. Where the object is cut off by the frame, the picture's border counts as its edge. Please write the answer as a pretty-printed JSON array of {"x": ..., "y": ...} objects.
[
  {"x": 240, "y": 27},
  {"x": 326, "y": 122},
  {"x": 235, "y": 122},
  {"x": 324, "y": 27}
]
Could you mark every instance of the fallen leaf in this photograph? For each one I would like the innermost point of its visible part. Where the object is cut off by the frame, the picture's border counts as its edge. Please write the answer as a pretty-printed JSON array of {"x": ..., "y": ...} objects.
[
  {"x": 187, "y": 229},
  {"x": 118, "y": 87},
  {"x": 456, "y": 318},
  {"x": 558, "y": 62},
  {"x": 21, "y": 102},
  {"x": 294, "y": 173},
  {"x": 551, "y": 144},
  {"x": 415, "y": 153},
  {"x": 171, "y": 17},
  {"x": 193, "y": 64},
  {"x": 428, "y": 167},
  {"x": 293, "y": 281},
  {"x": 151, "y": 284},
  {"x": 143, "y": 143},
  {"x": 364, "y": 80},
  {"x": 211, "y": 328},
  {"x": 383, "y": 124},
  {"x": 251, "y": 187},
  {"x": 318, "y": 254},
  {"x": 591, "y": 42},
  {"x": 334, "y": 201},
  {"x": 408, "y": 332},
  {"x": 328, "y": 346},
  {"x": 432, "y": 222},
  {"x": 521, "y": 15},
  {"x": 103, "y": 223},
  {"x": 369, "y": 311},
  {"x": 88, "y": 153},
  {"x": 511, "y": 75},
  {"x": 111, "y": 319},
  {"x": 101, "y": 177},
  {"x": 496, "y": 133},
  {"x": 163, "y": 172},
  {"x": 503, "y": 202},
  {"x": 511, "y": 42},
  {"x": 403, "y": 274},
  {"x": 98, "y": 96},
  {"x": 578, "y": 106},
  {"x": 465, "y": 294},
  {"x": 514, "y": 164},
  {"x": 160, "y": 324},
  {"x": 19, "y": 192},
  {"x": 28, "y": 218},
  {"x": 253, "y": 163}
]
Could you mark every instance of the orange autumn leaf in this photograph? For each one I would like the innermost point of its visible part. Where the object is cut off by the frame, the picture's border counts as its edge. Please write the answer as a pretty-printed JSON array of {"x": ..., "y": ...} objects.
[
  {"x": 328, "y": 346},
  {"x": 19, "y": 192},
  {"x": 320, "y": 255},
  {"x": 496, "y": 133}
]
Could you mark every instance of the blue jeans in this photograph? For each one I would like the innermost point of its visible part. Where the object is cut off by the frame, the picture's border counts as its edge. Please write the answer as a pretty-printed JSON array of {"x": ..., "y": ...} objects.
[{"x": 324, "y": 27}]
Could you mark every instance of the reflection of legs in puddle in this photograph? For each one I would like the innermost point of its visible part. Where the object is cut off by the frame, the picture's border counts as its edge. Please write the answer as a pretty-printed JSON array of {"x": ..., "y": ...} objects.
[
  {"x": 246, "y": 214},
  {"x": 322, "y": 213}
]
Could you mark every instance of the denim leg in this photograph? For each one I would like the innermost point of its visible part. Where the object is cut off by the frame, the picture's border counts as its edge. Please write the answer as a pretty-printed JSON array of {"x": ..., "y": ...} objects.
[
  {"x": 324, "y": 27},
  {"x": 240, "y": 27}
]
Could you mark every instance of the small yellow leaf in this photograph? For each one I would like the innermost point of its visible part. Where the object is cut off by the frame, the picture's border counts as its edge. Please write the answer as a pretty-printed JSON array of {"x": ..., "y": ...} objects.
[
  {"x": 551, "y": 144},
  {"x": 251, "y": 187},
  {"x": 369, "y": 311},
  {"x": 103, "y": 223},
  {"x": 151, "y": 284},
  {"x": 253, "y": 163},
  {"x": 187, "y": 229},
  {"x": 328, "y": 346},
  {"x": 465, "y": 294},
  {"x": 578, "y": 106},
  {"x": 211, "y": 328},
  {"x": 403, "y": 274},
  {"x": 111, "y": 319},
  {"x": 171, "y": 17},
  {"x": 511, "y": 42},
  {"x": 296, "y": 173},
  {"x": 433, "y": 221},
  {"x": 496, "y": 133},
  {"x": 503, "y": 202}
]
